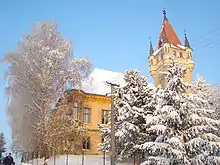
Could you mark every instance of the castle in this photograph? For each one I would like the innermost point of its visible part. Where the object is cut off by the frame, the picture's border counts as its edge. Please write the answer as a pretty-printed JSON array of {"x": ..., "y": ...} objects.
[
  {"x": 94, "y": 106},
  {"x": 169, "y": 44}
]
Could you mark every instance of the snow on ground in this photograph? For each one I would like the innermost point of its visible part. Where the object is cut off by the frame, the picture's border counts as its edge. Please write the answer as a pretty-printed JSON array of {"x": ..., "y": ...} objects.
[
  {"x": 76, "y": 160},
  {"x": 97, "y": 81}
]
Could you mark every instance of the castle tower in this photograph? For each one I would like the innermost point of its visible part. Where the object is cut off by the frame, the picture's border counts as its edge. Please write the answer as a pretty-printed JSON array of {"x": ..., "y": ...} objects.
[{"x": 169, "y": 44}]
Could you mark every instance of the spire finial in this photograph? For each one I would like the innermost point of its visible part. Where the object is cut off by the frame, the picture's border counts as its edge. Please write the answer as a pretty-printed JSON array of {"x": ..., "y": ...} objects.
[
  {"x": 186, "y": 40},
  {"x": 165, "y": 14},
  {"x": 185, "y": 33},
  {"x": 151, "y": 51}
]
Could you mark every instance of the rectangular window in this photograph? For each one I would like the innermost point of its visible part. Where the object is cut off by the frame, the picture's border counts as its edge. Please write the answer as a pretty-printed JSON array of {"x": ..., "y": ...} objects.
[
  {"x": 181, "y": 54},
  {"x": 86, "y": 115},
  {"x": 105, "y": 116},
  {"x": 86, "y": 143},
  {"x": 75, "y": 110}
]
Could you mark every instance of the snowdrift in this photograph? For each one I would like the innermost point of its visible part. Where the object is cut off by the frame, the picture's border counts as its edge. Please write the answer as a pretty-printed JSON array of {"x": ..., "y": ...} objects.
[{"x": 76, "y": 160}]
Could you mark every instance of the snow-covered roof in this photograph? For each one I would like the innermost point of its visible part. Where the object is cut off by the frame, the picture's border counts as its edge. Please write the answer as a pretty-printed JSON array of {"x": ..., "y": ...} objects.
[
  {"x": 178, "y": 46},
  {"x": 157, "y": 51},
  {"x": 97, "y": 81},
  {"x": 181, "y": 46}
]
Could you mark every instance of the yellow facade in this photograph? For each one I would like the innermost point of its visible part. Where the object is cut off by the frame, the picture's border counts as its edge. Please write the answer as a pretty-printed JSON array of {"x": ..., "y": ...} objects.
[
  {"x": 96, "y": 104},
  {"x": 160, "y": 59}
]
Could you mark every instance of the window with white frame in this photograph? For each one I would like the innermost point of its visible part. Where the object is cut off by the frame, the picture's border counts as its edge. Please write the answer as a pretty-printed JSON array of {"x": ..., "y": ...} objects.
[
  {"x": 86, "y": 115},
  {"x": 105, "y": 116}
]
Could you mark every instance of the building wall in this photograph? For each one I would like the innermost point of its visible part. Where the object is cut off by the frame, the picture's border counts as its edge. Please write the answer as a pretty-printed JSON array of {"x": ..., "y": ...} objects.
[
  {"x": 160, "y": 59},
  {"x": 97, "y": 103}
]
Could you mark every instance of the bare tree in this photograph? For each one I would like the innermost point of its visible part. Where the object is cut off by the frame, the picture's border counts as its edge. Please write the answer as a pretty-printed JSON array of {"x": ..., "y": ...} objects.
[
  {"x": 63, "y": 131},
  {"x": 39, "y": 70}
]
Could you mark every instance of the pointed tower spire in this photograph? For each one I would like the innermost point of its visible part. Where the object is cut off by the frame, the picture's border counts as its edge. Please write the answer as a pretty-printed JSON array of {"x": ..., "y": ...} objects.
[
  {"x": 151, "y": 49},
  {"x": 167, "y": 33},
  {"x": 187, "y": 41}
]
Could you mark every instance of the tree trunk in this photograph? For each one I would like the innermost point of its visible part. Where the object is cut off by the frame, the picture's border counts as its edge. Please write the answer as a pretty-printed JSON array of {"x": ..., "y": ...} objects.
[{"x": 137, "y": 158}]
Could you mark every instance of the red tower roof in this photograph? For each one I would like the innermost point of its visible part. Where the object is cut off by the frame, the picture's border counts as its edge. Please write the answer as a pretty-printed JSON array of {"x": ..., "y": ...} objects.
[{"x": 167, "y": 33}]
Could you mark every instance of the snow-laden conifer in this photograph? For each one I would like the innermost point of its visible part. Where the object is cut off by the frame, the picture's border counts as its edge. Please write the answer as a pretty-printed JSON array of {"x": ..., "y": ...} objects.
[
  {"x": 183, "y": 130},
  {"x": 133, "y": 102}
]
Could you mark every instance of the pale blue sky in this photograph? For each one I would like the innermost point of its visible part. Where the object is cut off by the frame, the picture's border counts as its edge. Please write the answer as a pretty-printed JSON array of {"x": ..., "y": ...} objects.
[{"x": 115, "y": 33}]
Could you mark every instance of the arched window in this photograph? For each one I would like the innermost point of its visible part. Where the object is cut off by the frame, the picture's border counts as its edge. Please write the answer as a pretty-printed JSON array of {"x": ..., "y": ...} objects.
[
  {"x": 151, "y": 61},
  {"x": 86, "y": 143},
  {"x": 189, "y": 54},
  {"x": 167, "y": 50},
  {"x": 161, "y": 56}
]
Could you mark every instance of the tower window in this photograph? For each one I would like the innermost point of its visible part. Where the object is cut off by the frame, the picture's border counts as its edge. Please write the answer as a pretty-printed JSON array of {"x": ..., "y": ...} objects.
[
  {"x": 174, "y": 53},
  {"x": 161, "y": 56},
  {"x": 166, "y": 49},
  {"x": 180, "y": 54},
  {"x": 151, "y": 61},
  {"x": 189, "y": 54}
]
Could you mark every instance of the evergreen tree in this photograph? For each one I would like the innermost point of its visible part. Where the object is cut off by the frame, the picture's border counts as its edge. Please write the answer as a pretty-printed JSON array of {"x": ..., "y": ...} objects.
[
  {"x": 202, "y": 91},
  {"x": 216, "y": 99},
  {"x": 210, "y": 94},
  {"x": 133, "y": 102},
  {"x": 182, "y": 130},
  {"x": 2, "y": 144}
]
